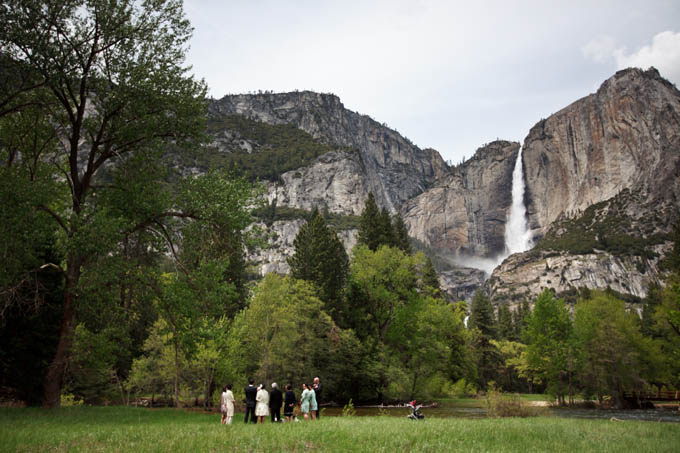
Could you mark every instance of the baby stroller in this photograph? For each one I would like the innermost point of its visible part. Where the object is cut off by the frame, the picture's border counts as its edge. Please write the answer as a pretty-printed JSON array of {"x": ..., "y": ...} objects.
[{"x": 415, "y": 411}]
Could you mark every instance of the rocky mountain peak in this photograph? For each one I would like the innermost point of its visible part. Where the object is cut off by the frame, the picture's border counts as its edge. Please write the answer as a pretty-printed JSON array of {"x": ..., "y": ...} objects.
[
  {"x": 395, "y": 169},
  {"x": 624, "y": 136}
]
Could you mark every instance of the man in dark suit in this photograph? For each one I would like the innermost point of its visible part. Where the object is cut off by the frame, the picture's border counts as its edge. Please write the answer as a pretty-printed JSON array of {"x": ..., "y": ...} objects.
[
  {"x": 317, "y": 391},
  {"x": 251, "y": 394},
  {"x": 275, "y": 402}
]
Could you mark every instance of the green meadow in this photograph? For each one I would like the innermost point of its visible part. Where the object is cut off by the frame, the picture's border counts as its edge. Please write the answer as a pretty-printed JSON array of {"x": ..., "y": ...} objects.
[{"x": 136, "y": 429}]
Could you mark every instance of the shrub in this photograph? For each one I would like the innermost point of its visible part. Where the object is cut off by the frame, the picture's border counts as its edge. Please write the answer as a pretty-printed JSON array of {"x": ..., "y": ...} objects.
[
  {"x": 499, "y": 404},
  {"x": 69, "y": 400},
  {"x": 348, "y": 410},
  {"x": 462, "y": 389}
]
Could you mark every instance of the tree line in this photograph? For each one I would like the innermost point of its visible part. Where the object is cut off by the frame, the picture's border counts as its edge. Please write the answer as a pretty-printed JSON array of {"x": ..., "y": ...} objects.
[{"x": 599, "y": 347}]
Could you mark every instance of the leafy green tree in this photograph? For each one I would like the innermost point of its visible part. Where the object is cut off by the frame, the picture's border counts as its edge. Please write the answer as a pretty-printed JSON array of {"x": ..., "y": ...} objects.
[
  {"x": 93, "y": 377},
  {"x": 516, "y": 373},
  {"x": 483, "y": 326},
  {"x": 509, "y": 378},
  {"x": 355, "y": 369},
  {"x": 614, "y": 355},
  {"x": 319, "y": 257},
  {"x": 205, "y": 366},
  {"x": 382, "y": 283},
  {"x": 422, "y": 339},
  {"x": 283, "y": 334},
  {"x": 667, "y": 326},
  {"x": 26, "y": 188},
  {"x": 154, "y": 371},
  {"x": 110, "y": 78},
  {"x": 547, "y": 336}
]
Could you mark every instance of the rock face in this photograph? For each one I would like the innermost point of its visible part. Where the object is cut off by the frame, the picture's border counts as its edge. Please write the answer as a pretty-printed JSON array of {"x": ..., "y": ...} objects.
[
  {"x": 525, "y": 275},
  {"x": 335, "y": 181},
  {"x": 465, "y": 212},
  {"x": 462, "y": 282},
  {"x": 603, "y": 190},
  {"x": 617, "y": 149},
  {"x": 369, "y": 158},
  {"x": 627, "y": 135},
  {"x": 392, "y": 167}
]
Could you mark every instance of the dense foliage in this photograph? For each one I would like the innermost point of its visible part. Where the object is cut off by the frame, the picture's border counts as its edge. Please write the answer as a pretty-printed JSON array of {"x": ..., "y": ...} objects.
[
  {"x": 259, "y": 150},
  {"x": 320, "y": 258},
  {"x": 377, "y": 227},
  {"x": 606, "y": 226},
  {"x": 270, "y": 213}
]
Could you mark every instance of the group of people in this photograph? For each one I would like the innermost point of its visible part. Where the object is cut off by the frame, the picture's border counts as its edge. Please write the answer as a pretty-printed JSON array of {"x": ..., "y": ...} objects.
[{"x": 260, "y": 404}]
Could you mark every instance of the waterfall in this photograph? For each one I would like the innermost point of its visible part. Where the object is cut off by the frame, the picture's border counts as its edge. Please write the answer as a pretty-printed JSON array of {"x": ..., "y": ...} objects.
[{"x": 517, "y": 233}]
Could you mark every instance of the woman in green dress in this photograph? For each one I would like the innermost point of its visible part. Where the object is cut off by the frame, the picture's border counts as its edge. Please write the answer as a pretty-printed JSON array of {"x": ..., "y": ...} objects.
[{"x": 305, "y": 401}]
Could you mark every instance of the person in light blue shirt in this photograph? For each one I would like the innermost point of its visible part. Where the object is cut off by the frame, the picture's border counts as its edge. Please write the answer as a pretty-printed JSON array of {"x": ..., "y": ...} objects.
[{"x": 305, "y": 401}]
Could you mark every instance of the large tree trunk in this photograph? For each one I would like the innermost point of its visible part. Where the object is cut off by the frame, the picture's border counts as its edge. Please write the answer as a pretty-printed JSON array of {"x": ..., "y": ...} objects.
[
  {"x": 176, "y": 370},
  {"x": 54, "y": 379}
]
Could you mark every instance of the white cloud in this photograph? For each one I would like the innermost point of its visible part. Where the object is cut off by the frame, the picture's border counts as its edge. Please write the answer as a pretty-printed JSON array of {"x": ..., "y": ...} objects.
[
  {"x": 600, "y": 49},
  {"x": 663, "y": 54}
]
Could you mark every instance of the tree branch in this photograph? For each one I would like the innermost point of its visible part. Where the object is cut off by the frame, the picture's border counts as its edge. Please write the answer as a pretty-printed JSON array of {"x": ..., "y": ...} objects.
[{"x": 54, "y": 216}]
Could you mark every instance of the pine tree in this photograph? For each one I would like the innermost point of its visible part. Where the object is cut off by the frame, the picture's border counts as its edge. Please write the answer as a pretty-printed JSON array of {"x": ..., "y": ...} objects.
[
  {"x": 400, "y": 234},
  {"x": 430, "y": 279},
  {"x": 519, "y": 318},
  {"x": 506, "y": 329},
  {"x": 673, "y": 258},
  {"x": 320, "y": 258},
  {"x": 369, "y": 224},
  {"x": 649, "y": 306},
  {"x": 484, "y": 330},
  {"x": 385, "y": 232}
]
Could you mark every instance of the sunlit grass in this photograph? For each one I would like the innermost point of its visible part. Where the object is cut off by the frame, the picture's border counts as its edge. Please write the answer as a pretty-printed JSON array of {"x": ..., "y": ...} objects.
[{"x": 136, "y": 429}]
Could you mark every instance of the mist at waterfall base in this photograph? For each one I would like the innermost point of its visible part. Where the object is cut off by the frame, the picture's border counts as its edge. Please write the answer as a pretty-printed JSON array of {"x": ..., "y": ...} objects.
[{"x": 517, "y": 233}]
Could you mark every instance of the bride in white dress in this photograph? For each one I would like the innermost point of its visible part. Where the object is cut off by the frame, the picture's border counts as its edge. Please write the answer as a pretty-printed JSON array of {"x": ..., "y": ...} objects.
[{"x": 262, "y": 406}]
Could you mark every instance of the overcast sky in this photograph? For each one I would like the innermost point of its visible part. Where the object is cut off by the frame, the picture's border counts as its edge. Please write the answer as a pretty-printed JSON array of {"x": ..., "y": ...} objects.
[{"x": 450, "y": 75}]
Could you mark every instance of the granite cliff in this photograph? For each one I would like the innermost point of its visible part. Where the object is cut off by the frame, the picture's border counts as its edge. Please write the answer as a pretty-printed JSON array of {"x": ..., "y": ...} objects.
[
  {"x": 624, "y": 136},
  {"x": 385, "y": 163},
  {"x": 603, "y": 191},
  {"x": 351, "y": 156},
  {"x": 602, "y": 186},
  {"x": 464, "y": 213}
]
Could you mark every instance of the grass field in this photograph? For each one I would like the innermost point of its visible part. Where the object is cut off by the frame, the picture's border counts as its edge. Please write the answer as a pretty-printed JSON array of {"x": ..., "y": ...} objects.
[{"x": 137, "y": 429}]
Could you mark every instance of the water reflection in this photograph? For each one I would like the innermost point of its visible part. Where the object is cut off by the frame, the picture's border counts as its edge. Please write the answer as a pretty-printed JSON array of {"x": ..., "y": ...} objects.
[
  {"x": 476, "y": 409},
  {"x": 655, "y": 415},
  {"x": 433, "y": 412}
]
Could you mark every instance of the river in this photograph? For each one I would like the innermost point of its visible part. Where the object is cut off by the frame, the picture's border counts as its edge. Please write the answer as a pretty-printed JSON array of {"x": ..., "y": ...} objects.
[{"x": 476, "y": 409}]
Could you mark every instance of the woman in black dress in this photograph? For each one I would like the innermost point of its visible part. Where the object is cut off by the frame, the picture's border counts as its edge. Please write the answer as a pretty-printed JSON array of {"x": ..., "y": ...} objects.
[{"x": 289, "y": 403}]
